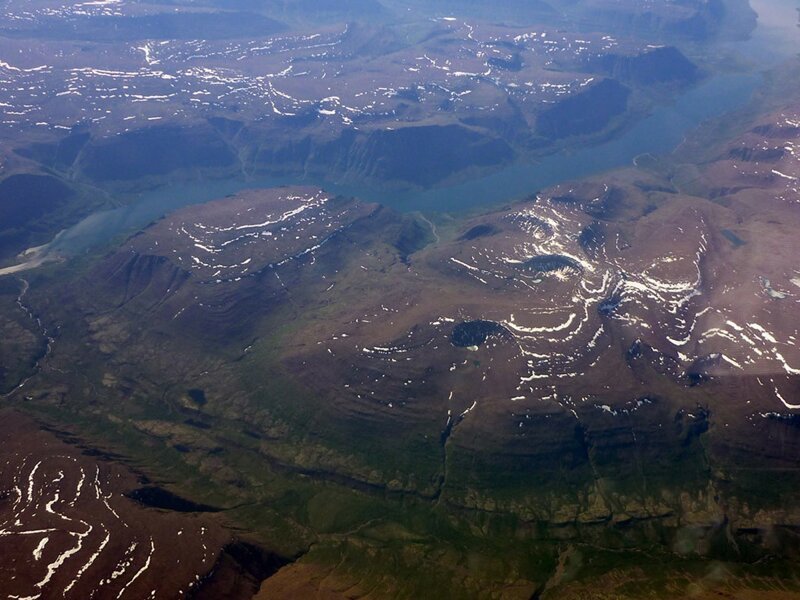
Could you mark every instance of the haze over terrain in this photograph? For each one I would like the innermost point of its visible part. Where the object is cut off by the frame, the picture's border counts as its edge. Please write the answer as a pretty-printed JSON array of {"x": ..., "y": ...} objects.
[{"x": 399, "y": 299}]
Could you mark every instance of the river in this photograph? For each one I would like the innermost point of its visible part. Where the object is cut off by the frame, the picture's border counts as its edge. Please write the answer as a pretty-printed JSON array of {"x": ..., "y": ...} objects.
[{"x": 775, "y": 39}]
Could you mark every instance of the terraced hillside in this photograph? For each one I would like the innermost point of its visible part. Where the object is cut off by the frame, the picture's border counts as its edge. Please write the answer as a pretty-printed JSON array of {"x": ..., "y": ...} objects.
[
  {"x": 236, "y": 363},
  {"x": 607, "y": 364}
]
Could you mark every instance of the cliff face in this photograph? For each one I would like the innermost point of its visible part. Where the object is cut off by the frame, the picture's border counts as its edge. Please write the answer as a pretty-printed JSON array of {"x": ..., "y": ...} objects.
[
  {"x": 584, "y": 113},
  {"x": 665, "y": 64},
  {"x": 684, "y": 19},
  {"x": 418, "y": 154},
  {"x": 155, "y": 151},
  {"x": 28, "y": 205},
  {"x": 422, "y": 155}
]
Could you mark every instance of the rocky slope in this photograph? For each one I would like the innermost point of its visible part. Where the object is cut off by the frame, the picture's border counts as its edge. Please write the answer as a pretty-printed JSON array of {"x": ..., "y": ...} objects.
[{"x": 609, "y": 364}]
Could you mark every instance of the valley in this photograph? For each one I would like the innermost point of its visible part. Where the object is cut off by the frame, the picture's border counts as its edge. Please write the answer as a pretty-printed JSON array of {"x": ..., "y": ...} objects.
[
  {"x": 403, "y": 102},
  {"x": 387, "y": 300},
  {"x": 581, "y": 363}
]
